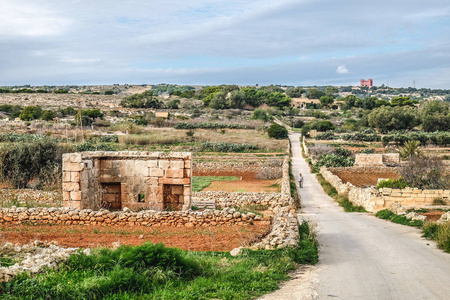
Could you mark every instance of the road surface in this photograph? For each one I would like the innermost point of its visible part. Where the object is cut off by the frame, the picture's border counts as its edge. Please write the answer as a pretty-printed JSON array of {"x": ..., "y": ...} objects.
[{"x": 361, "y": 256}]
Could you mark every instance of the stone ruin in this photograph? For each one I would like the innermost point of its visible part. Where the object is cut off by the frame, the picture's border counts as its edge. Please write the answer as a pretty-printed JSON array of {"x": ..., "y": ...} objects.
[{"x": 137, "y": 180}]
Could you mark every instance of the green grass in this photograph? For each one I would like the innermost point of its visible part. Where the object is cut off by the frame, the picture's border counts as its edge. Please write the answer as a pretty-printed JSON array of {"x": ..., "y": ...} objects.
[
  {"x": 341, "y": 199},
  {"x": 386, "y": 214},
  {"x": 156, "y": 272},
  {"x": 430, "y": 230},
  {"x": 6, "y": 262},
  {"x": 253, "y": 208},
  {"x": 438, "y": 232},
  {"x": 201, "y": 182}
]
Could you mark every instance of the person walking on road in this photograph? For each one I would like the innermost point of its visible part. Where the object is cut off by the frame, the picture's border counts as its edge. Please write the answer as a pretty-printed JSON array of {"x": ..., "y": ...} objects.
[{"x": 300, "y": 180}]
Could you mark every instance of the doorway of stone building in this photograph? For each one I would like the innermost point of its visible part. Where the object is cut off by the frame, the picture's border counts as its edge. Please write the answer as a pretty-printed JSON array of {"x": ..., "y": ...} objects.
[
  {"x": 173, "y": 197},
  {"x": 111, "y": 196}
]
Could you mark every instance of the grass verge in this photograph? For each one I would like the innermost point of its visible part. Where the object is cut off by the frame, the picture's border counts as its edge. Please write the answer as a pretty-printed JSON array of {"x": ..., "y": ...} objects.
[
  {"x": 430, "y": 230},
  {"x": 438, "y": 232},
  {"x": 386, "y": 214},
  {"x": 201, "y": 182},
  {"x": 341, "y": 199},
  {"x": 156, "y": 272}
]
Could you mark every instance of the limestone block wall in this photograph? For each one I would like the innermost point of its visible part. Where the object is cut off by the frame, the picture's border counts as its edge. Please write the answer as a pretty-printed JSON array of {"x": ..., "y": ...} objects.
[
  {"x": 377, "y": 159},
  {"x": 373, "y": 199},
  {"x": 137, "y": 180},
  {"x": 409, "y": 197}
]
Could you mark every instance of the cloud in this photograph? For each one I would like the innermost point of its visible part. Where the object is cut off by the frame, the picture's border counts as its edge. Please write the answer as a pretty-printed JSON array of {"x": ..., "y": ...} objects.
[
  {"x": 224, "y": 41},
  {"x": 342, "y": 70},
  {"x": 29, "y": 20}
]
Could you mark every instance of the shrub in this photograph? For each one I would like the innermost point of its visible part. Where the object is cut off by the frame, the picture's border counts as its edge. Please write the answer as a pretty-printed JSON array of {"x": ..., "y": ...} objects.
[
  {"x": 399, "y": 219},
  {"x": 277, "y": 131},
  {"x": 426, "y": 173},
  {"x": 439, "y": 201},
  {"x": 23, "y": 162},
  {"x": 184, "y": 125},
  {"x": 226, "y": 147},
  {"x": 393, "y": 183},
  {"x": 91, "y": 146},
  {"x": 326, "y": 136},
  {"x": 367, "y": 151}
]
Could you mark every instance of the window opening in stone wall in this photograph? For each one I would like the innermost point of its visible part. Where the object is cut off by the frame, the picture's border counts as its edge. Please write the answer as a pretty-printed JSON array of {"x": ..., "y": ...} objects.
[{"x": 141, "y": 198}]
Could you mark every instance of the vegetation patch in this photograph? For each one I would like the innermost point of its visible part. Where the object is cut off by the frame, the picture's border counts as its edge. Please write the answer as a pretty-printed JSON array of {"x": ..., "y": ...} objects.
[
  {"x": 341, "y": 199},
  {"x": 386, "y": 214},
  {"x": 438, "y": 232},
  {"x": 201, "y": 182},
  {"x": 156, "y": 272}
]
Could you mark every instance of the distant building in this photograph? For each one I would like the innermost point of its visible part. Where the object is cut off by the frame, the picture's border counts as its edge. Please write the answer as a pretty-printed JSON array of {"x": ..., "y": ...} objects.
[{"x": 368, "y": 82}]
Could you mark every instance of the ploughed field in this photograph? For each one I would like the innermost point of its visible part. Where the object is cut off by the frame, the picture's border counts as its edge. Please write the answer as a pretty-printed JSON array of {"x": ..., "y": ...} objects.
[
  {"x": 366, "y": 178},
  {"x": 224, "y": 238},
  {"x": 246, "y": 182}
]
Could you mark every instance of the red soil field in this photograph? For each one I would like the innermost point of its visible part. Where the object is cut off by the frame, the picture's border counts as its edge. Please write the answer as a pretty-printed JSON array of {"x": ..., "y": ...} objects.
[
  {"x": 224, "y": 238},
  {"x": 360, "y": 179}
]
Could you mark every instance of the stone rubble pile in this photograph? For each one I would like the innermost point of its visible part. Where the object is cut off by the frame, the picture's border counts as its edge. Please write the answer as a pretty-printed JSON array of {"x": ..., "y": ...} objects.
[
  {"x": 444, "y": 218},
  {"x": 32, "y": 258},
  {"x": 67, "y": 216}
]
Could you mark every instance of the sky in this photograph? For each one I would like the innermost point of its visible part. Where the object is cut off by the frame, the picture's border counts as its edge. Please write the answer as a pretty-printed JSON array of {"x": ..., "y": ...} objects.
[{"x": 201, "y": 42}]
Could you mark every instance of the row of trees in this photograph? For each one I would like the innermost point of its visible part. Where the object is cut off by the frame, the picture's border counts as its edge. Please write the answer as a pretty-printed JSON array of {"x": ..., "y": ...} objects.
[{"x": 431, "y": 115}]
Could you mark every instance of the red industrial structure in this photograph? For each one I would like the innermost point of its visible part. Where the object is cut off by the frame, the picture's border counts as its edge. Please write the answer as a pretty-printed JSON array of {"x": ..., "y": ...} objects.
[{"x": 368, "y": 82}]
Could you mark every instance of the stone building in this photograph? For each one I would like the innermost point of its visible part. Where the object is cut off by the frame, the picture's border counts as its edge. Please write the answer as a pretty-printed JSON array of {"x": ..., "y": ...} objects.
[{"x": 137, "y": 180}]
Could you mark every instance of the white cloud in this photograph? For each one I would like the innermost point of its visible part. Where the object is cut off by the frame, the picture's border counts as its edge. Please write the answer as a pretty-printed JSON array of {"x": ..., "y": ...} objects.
[
  {"x": 20, "y": 18},
  {"x": 342, "y": 69}
]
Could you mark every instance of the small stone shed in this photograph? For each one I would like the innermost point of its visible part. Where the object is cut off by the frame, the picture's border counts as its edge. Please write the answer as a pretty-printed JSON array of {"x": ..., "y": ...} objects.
[{"x": 137, "y": 180}]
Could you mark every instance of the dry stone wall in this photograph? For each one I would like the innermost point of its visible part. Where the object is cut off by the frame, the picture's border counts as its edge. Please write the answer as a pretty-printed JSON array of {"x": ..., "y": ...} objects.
[
  {"x": 260, "y": 168},
  {"x": 67, "y": 216},
  {"x": 373, "y": 199}
]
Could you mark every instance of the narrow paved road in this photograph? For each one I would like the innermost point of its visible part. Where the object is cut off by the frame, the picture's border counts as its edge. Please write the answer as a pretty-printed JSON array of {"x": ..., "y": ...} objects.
[{"x": 361, "y": 256}]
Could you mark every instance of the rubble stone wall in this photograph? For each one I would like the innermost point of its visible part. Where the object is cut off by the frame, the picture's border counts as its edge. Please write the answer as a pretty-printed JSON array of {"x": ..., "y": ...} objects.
[{"x": 68, "y": 216}]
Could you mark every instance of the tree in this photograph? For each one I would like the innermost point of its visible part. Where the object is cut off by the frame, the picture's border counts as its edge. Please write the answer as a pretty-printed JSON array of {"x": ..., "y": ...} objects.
[
  {"x": 435, "y": 116},
  {"x": 426, "y": 173},
  {"x": 261, "y": 114},
  {"x": 393, "y": 118},
  {"x": 331, "y": 90},
  {"x": 326, "y": 100},
  {"x": 30, "y": 113},
  {"x": 410, "y": 149},
  {"x": 277, "y": 131},
  {"x": 278, "y": 99},
  {"x": 143, "y": 100},
  {"x": 48, "y": 115},
  {"x": 314, "y": 94},
  {"x": 295, "y": 92},
  {"x": 402, "y": 101}
]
